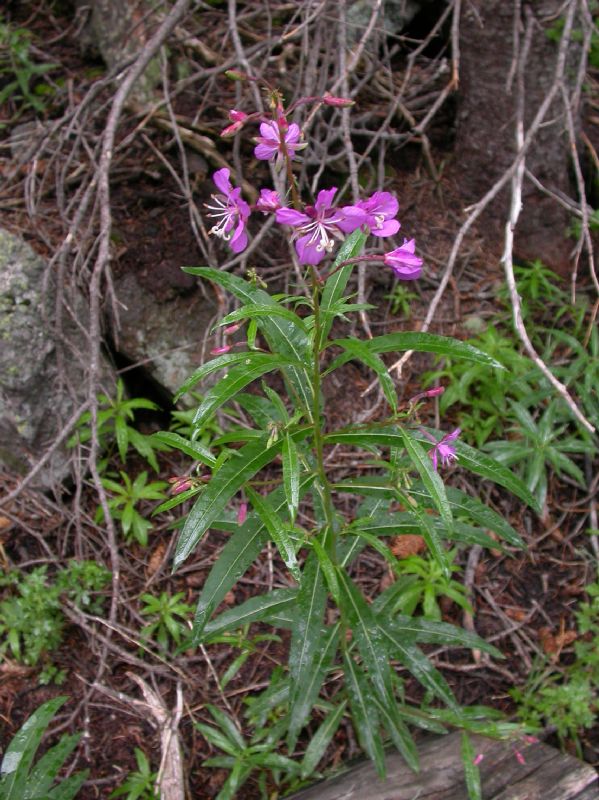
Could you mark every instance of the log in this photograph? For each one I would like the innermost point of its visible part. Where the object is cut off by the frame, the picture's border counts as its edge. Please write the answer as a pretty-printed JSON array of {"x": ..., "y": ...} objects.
[{"x": 546, "y": 774}]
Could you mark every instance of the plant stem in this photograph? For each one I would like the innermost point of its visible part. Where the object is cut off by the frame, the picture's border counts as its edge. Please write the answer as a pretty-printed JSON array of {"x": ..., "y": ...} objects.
[{"x": 327, "y": 498}]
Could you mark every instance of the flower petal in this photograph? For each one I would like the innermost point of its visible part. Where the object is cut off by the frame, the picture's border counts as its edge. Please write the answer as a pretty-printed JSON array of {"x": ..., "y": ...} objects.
[
  {"x": 307, "y": 248},
  {"x": 325, "y": 199},
  {"x": 222, "y": 182},
  {"x": 289, "y": 216}
]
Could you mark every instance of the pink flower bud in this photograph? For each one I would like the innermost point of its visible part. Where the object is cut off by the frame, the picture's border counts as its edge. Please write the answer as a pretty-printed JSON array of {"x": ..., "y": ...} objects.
[
  {"x": 242, "y": 513},
  {"x": 476, "y": 761},
  {"x": 229, "y": 330},
  {"x": 519, "y": 757},
  {"x": 179, "y": 485},
  {"x": 237, "y": 116},
  {"x": 268, "y": 202},
  {"x": 434, "y": 392},
  {"x": 338, "y": 102},
  {"x": 231, "y": 130},
  {"x": 531, "y": 739},
  {"x": 429, "y": 393},
  {"x": 218, "y": 351}
]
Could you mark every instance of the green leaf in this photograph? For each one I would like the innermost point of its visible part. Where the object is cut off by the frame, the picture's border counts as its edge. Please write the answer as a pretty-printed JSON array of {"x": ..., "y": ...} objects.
[
  {"x": 364, "y": 714},
  {"x": 323, "y": 662},
  {"x": 276, "y": 530},
  {"x": 484, "y": 515},
  {"x": 232, "y": 383},
  {"x": 69, "y": 787},
  {"x": 20, "y": 752},
  {"x": 237, "y": 777},
  {"x": 390, "y": 714},
  {"x": 367, "y": 636},
  {"x": 433, "y": 542},
  {"x": 328, "y": 569},
  {"x": 291, "y": 475},
  {"x": 428, "y": 631},
  {"x": 282, "y": 336},
  {"x": 417, "y": 663},
  {"x": 430, "y": 478},
  {"x": 241, "y": 550},
  {"x": 335, "y": 285},
  {"x": 217, "y": 738},
  {"x": 190, "y": 448},
  {"x": 228, "y": 480},
  {"x": 47, "y": 768},
  {"x": 250, "y": 312},
  {"x": 431, "y": 343},
  {"x": 227, "y": 725},
  {"x": 225, "y": 361},
  {"x": 471, "y": 770},
  {"x": 354, "y": 348},
  {"x": 321, "y": 740},
  {"x": 306, "y": 641},
  {"x": 256, "y": 608},
  {"x": 486, "y": 467}
]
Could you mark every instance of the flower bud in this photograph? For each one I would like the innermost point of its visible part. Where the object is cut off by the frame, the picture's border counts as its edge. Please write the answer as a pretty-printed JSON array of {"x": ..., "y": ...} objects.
[
  {"x": 236, "y": 75},
  {"x": 231, "y": 329},
  {"x": 179, "y": 485},
  {"x": 218, "y": 351},
  {"x": 338, "y": 102},
  {"x": 242, "y": 513}
]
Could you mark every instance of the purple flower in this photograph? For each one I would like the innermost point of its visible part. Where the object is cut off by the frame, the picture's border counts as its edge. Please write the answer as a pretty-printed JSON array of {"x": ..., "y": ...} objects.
[
  {"x": 444, "y": 450},
  {"x": 380, "y": 209},
  {"x": 319, "y": 225},
  {"x": 403, "y": 262},
  {"x": 270, "y": 142},
  {"x": 268, "y": 202},
  {"x": 231, "y": 211}
]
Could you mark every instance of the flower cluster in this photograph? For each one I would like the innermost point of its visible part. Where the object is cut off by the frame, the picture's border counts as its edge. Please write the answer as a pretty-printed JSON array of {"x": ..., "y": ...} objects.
[{"x": 315, "y": 228}]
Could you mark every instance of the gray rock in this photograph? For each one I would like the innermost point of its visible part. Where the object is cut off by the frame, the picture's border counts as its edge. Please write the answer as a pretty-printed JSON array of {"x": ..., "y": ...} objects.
[
  {"x": 163, "y": 332},
  {"x": 34, "y": 403}
]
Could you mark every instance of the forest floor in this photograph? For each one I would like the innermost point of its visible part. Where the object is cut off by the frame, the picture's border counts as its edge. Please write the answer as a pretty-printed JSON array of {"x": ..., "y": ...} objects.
[{"x": 524, "y": 601}]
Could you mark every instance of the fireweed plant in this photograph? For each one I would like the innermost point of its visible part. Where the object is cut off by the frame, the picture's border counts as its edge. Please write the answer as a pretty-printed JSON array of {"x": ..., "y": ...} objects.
[{"x": 363, "y": 648}]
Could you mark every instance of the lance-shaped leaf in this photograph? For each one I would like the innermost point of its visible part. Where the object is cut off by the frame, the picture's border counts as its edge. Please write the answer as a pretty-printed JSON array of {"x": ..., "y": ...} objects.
[
  {"x": 390, "y": 715},
  {"x": 276, "y": 529},
  {"x": 367, "y": 636},
  {"x": 336, "y": 283},
  {"x": 306, "y": 641},
  {"x": 354, "y": 348},
  {"x": 252, "y": 610},
  {"x": 428, "y": 631},
  {"x": 291, "y": 475},
  {"x": 321, "y": 740},
  {"x": 228, "y": 480},
  {"x": 417, "y": 663},
  {"x": 484, "y": 515},
  {"x": 241, "y": 550},
  {"x": 433, "y": 542},
  {"x": 225, "y": 361},
  {"x": 16, "y": 776},
  {"x": 282, "y": 336},
  {"x": 232, "y": 383},
  {"x": 328, "y": 569},
  {"x": 364, "y": 713},
  {"x": 471, "y": 770},
  {"x": 486, "y": 467},
  {"x": 431, "y": 343},
  {"x": 429, "y": 476},
  {"x": 187, "y": 446},
  {"x": 257, "y": 311}
]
